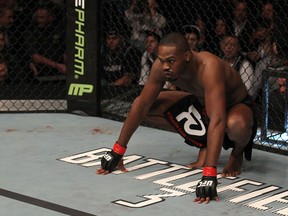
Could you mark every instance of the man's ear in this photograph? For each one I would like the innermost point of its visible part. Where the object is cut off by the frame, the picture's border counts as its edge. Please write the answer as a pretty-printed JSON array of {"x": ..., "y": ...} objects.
[{"x": 188, "y": 55}]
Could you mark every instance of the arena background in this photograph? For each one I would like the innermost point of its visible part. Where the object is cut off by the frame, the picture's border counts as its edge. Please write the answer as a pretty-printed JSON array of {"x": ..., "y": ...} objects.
[{"x": 80, "y": 90}]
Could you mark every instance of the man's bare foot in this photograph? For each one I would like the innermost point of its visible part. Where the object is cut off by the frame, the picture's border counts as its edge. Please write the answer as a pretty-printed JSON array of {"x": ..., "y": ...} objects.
[
  {"x": 200, "y": 160},
  {"x": 233, "y": 166}
]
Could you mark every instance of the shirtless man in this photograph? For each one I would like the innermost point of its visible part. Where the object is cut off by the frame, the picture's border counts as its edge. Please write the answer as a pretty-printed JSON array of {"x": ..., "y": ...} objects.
[{"x": 214, "y": 100}]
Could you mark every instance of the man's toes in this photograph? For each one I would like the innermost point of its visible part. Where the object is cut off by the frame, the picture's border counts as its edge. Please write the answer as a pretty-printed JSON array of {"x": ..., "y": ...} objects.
[{"x": 230, "y": 174}]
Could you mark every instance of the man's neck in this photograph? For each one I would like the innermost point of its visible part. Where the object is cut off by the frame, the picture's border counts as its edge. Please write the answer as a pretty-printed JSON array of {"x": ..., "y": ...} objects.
[{"x": 230, "y": 60}]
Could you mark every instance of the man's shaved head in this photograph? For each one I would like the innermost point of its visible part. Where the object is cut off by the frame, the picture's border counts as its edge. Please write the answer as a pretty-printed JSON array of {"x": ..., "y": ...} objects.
[{"x": 175, "y": 39}]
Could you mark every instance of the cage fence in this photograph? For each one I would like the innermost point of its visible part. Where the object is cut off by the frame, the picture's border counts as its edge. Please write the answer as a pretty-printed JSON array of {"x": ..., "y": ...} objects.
[
  {"x": 209, "y": 26},
  {"x": 250, "y": 35},
  {"x": 32, "y": 56}
]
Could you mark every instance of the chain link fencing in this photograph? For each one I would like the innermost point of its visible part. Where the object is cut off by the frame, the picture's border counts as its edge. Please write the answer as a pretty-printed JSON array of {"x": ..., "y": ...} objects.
[
  {"x": 35, "y": 59},
  {"x": 32, "y": 56},
  {"x": 242, "y": 33}
]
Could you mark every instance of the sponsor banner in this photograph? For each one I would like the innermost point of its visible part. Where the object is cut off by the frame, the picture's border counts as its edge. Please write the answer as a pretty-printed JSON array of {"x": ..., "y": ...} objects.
[{"x": 82, "y": 50}]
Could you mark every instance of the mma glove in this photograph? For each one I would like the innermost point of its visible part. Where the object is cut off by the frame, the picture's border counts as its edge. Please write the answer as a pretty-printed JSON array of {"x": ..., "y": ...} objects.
[
  {"x": 111, "y": 159},
  {"x": 207, "y": 186}
]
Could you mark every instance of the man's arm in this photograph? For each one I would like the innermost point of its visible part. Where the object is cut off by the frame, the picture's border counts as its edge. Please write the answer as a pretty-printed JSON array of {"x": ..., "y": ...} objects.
[
  {"x": 37, "y": 58},
  {"x": 215, "y": 103},
  {"x": 124, "y": 80},
  {"x": 142, "y": 104},
  {"x": 139, "y": 110}
]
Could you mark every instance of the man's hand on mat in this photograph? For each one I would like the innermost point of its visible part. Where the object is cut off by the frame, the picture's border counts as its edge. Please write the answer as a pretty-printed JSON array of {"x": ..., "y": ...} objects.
[
  {"x": 120, "y": 167},
  {"x": 206, "y": 188},
  {"x": 111, "y": 160}
]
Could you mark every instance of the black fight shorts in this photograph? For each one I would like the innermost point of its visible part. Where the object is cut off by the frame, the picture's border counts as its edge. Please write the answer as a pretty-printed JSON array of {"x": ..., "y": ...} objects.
[{"x": 190, "y": 120}]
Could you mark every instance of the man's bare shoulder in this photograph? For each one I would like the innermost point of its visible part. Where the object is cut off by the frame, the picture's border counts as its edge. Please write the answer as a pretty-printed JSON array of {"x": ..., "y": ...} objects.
[
  {"x": 208, "y": 56},
  {"x": 209, "y": 60}
]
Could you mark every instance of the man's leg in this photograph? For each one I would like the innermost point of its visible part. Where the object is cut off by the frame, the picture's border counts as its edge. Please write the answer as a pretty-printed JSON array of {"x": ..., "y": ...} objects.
[
  {"x": 200, "y": 160},
  {"x": 164, "y": 101},
  {"x": 239, "y": 130},
  {"x": 155, "y": 117}
]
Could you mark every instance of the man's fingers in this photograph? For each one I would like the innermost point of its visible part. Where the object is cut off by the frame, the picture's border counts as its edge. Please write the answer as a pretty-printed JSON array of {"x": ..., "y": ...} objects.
[
  {"x": 104, "y": 172},
  {"x": 206, "y": 200},
  {"x": 201, "y": 200},
  {"x": 101, "y": 171},
  {"x": 98, "y": 171}
]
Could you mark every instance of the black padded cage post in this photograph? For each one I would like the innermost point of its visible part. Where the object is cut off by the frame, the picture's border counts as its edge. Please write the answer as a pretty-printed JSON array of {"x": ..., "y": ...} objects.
[{"x": 83, "y": 39}]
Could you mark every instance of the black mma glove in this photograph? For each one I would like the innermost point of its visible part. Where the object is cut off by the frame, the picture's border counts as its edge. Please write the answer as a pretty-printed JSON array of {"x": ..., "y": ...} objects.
[
  {"x": 207, "y": 186},
  {"x": 111, "y": 159}
]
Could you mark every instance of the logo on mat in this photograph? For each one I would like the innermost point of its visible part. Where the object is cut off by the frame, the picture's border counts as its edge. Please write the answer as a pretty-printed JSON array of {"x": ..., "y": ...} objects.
[{"x": 175, "y": 180}]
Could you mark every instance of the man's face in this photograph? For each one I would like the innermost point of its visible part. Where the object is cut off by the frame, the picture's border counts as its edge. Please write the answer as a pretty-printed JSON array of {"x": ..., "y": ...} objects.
[
  {"x": 3, "y": 72},
  {"x": 230, "y": 47},
  {"x": 240, "y": 12},
  {"x": 2, "y": 40},
  {"x": 6, "y": 19},
  {"x": 172, "y": 62},
  {"x": 267, "y": 11},
  {"x": 152, "y": 4},
  {"x": 192, "y": 41},
  {"x": 151, "y": 44},
  {"x": 261, "y": 33},
  {"x": 43, "y": 17},
  {"x": 113, "y": 41},
  {"x": 220, "y": 27}
]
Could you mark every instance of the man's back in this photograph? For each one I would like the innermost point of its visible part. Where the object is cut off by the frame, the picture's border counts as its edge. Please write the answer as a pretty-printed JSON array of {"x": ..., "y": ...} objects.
[{"x": 207, "y": 69}]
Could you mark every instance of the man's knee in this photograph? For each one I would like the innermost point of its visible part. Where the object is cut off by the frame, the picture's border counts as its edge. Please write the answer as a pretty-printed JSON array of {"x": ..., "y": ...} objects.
[
  {"x": 239, "y": 129},
  {"x": 238, "y": 122}
]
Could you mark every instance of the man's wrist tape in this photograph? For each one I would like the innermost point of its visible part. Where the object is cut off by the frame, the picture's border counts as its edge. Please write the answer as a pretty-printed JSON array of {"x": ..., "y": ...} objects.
[
  {"x": 210, "y": 171},
  {"x": 117, "y": 148}
]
